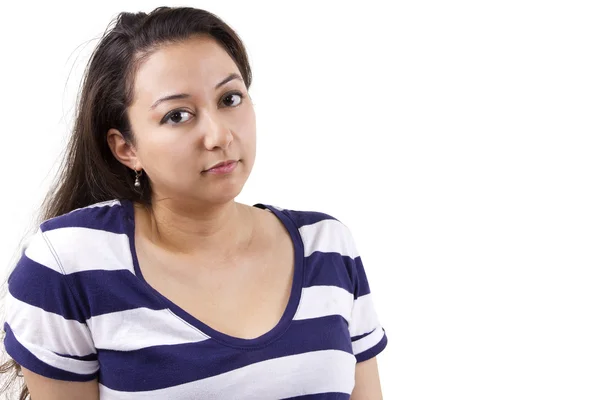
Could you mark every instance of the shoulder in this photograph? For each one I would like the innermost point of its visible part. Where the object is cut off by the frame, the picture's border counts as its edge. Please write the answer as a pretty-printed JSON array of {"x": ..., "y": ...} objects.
[
  {"x": 320, "y": 231},
  {"x": 82, "y": 238},
  {"x": 101, "y": 216},
  {"x": 300, "y": 218}
]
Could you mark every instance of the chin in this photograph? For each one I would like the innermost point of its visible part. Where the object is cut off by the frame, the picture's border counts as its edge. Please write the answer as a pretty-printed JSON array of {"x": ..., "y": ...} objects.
[{"x": 221, "y": 195}]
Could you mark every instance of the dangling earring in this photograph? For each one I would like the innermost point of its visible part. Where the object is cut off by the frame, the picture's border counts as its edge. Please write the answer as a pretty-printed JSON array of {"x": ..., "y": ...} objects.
[{"x": 137, "y": 183}]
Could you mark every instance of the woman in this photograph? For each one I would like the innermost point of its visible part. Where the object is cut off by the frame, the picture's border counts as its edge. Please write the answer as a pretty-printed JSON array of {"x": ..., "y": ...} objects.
[{"x": 147, "y": 280}]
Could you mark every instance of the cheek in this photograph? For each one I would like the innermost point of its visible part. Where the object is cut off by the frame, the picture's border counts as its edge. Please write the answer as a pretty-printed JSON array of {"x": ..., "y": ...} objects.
[
  {"x": 165, "y": 154},
  {"x": 246, "y": 126}
]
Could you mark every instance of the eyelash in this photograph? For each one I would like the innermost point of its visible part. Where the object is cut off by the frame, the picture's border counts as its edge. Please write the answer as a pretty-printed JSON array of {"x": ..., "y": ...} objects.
[{"x": 170, "y": 113}]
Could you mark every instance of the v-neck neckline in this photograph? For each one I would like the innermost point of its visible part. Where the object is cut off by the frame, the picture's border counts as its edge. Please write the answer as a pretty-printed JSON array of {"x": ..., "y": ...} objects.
[{"x": 232, "y": 341}]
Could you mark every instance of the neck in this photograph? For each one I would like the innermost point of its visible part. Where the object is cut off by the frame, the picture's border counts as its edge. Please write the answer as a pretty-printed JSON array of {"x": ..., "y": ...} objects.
[{"x": 219, "y": 231}]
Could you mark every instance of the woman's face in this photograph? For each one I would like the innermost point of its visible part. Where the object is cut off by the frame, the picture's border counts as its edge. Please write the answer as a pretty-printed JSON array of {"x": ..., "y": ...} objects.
[{"x": 191, "y": 110}]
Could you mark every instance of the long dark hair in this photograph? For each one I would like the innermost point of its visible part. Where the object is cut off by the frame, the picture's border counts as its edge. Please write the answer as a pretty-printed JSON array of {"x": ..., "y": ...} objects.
[{"x": 89, "y": 172}]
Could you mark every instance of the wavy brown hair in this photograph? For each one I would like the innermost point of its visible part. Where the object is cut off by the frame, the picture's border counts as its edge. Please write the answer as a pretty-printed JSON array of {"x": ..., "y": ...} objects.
[{"x": 89, "y": 172}]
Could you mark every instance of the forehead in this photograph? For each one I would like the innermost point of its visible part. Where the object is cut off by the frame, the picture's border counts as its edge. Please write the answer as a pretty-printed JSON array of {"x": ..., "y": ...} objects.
[{"x": 198, "y": 63}]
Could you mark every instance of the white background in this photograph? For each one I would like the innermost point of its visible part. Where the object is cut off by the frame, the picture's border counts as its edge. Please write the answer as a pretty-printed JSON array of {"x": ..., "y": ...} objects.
[{"x": 458, "y": 140}]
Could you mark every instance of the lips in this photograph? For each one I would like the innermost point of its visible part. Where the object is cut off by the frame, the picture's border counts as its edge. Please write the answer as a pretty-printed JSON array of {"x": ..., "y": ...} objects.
[{"x": 221, "y": 164}]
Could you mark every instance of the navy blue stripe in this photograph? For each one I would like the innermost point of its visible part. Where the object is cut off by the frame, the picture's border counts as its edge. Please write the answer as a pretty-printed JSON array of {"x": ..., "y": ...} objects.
[
  {"x": 362, "y": 283},
  {"x": 42, "y": 287},
  {"x": 330, "y": 269},
  {"x": 355, "y": 338},
  {"x": 101, "y": 292},
  {"x": 107, "y": 218},
  {"x": 89, "y": 357},
  {"x": 159, "y": 367},
  {"x": 96, "y": 292},
  {"x": 302, "y": 218},
  {"x": 334, "y": 269},
  {"x": 373, "y": 351},
  {"x": 24, "y": 358},
  {"x": 322, "y": 396}
]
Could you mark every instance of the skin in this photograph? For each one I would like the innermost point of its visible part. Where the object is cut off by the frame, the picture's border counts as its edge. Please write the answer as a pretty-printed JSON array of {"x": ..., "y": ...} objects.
[
  {"x": 195, "y": 211},
  {"x": 194, "y": 215}
]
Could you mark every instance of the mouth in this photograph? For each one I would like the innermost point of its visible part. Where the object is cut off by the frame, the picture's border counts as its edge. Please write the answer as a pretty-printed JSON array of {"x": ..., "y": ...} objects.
[{"x": 224, "y": 166}]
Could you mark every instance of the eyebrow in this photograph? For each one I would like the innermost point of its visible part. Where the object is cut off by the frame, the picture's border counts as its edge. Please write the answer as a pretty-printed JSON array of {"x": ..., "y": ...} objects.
[{"x": 178, "y": 96}]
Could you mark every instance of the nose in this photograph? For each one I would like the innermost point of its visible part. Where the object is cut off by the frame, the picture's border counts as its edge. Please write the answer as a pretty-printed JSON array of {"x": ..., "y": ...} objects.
[{"x": 214, "y": 133}]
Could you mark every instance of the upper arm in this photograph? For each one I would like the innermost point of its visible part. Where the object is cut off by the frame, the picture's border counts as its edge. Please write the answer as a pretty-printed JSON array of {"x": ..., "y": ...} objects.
[
  {"x": 42, "y": 388},
  {"x": 366, "y": 332},
  {"x": 45, "y": 330},
  {"x": 367, "y": 385}
]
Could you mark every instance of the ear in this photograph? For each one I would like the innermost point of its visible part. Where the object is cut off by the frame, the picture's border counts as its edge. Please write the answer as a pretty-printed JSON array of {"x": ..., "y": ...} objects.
[{"x": 122, "y": 150}]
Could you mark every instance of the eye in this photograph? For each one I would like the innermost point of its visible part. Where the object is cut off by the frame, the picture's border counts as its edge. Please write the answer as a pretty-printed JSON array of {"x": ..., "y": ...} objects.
[
  {"x": 176, "y": 117},
  {"x": 233, "y": 99}
]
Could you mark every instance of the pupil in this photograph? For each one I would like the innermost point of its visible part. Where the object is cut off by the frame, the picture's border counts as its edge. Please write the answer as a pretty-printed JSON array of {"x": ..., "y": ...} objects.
[{"x": 176, "y": 117}]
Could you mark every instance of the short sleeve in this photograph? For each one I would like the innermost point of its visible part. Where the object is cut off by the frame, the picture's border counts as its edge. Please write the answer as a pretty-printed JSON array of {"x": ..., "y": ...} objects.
[
  {"x": 45, "y": 328},
  {"x": 367, "y": 335}
]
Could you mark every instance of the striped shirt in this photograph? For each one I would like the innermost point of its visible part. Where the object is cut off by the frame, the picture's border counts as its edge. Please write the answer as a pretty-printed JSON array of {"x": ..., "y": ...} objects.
[{"x": 78, "y": 308}]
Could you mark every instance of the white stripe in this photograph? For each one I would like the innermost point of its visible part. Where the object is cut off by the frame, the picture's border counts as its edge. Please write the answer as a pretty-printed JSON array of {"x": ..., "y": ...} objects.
[
  {"x": 328, "y": 236},
  {"x": 84, "y": 249},
  {"x": 47, "y": 330},
  {"x": 25, "y": 242},
  {"x": 37, "y": 250},
  {"x": 303, "y": 374},
  {"x": 368, "y": 341},
  {"x": 364, "y": 316},
  {"x": 139, "y": 328},
  {"x": 321, "y": 301},
  {"x": 108, "y": 203}
]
